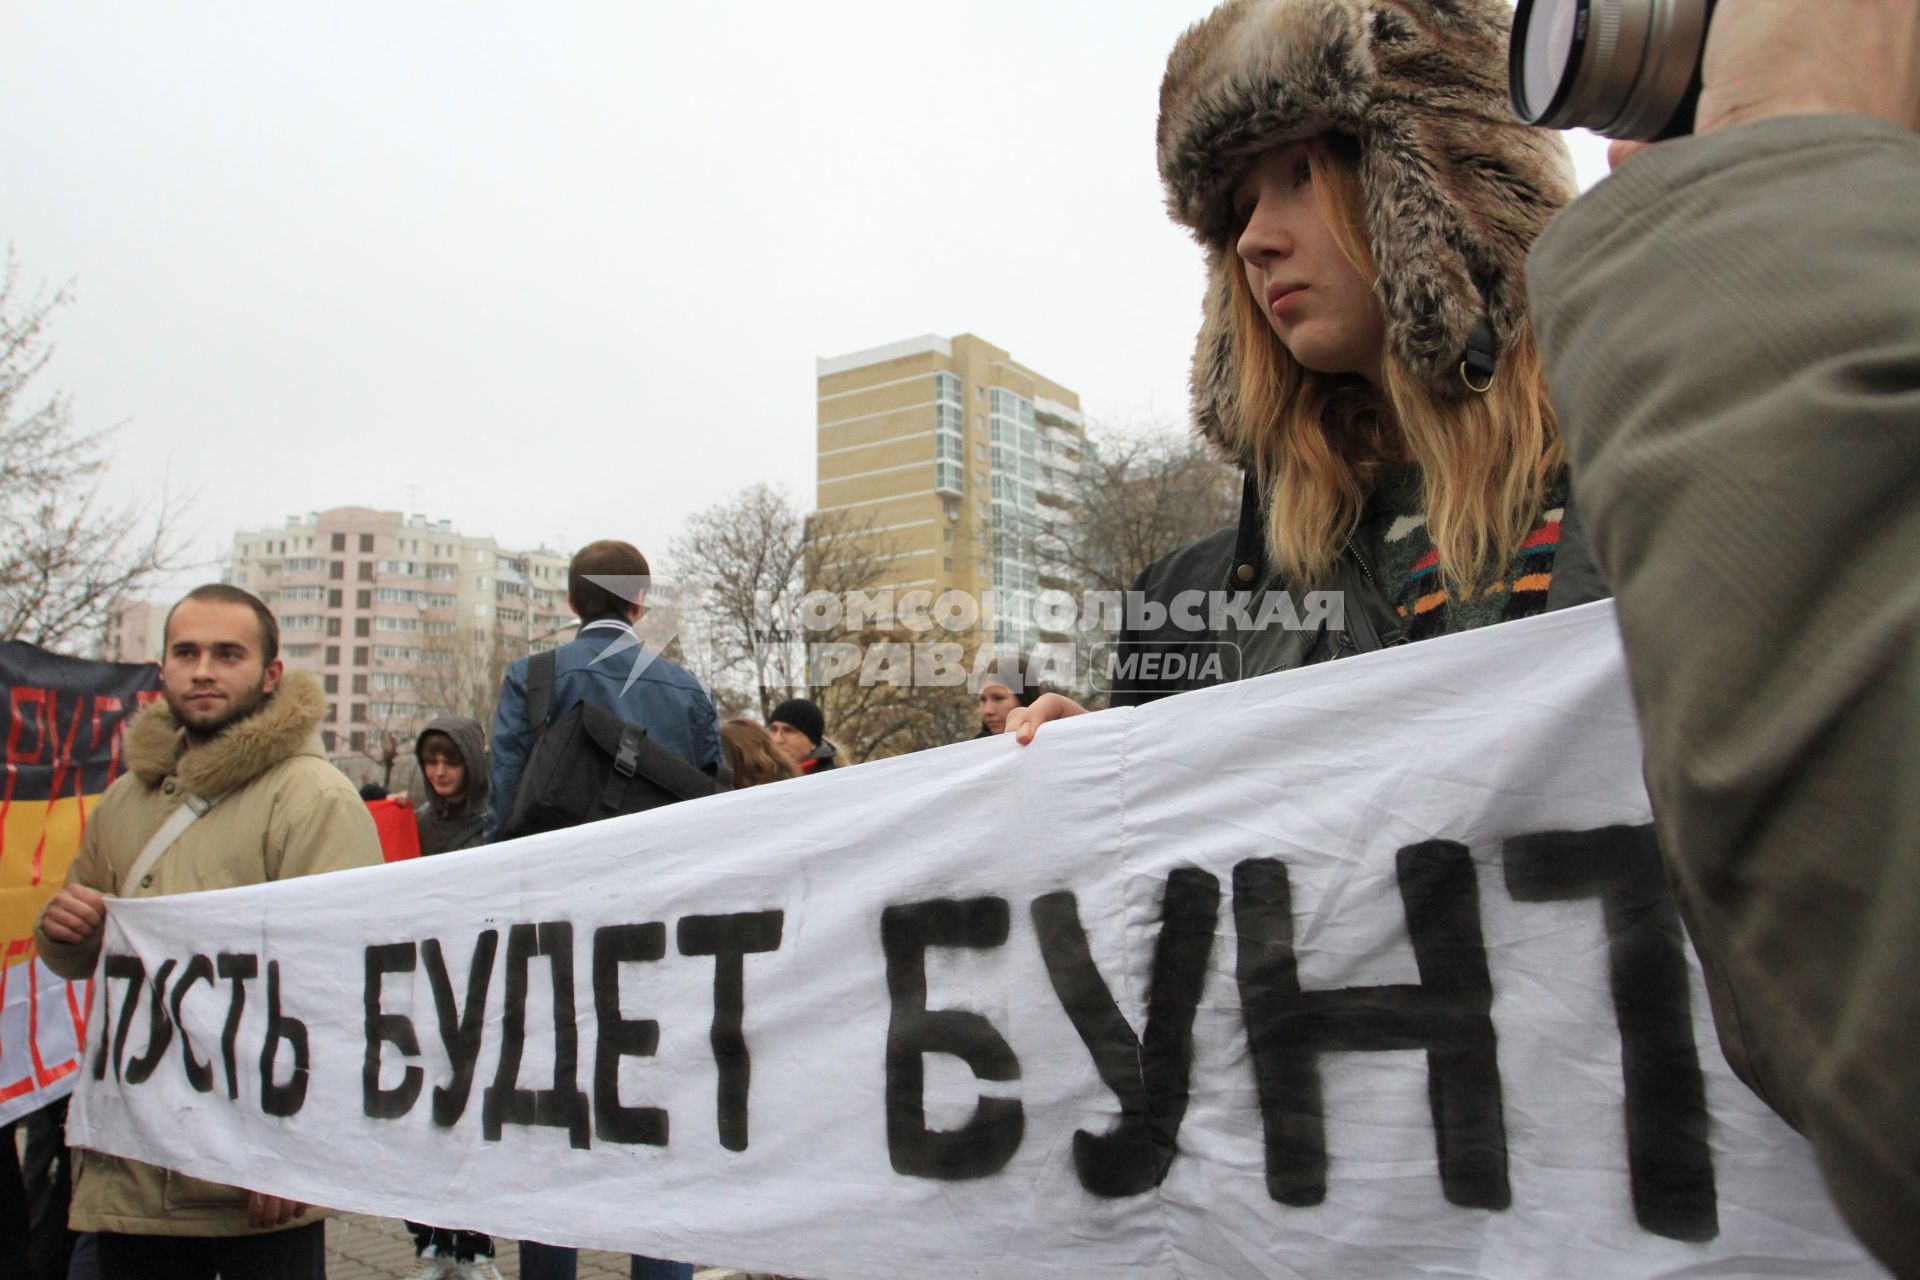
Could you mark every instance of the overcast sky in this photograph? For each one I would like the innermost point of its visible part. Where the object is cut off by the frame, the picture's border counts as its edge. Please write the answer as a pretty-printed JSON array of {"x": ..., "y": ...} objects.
[{"x": 559, "y": 272}]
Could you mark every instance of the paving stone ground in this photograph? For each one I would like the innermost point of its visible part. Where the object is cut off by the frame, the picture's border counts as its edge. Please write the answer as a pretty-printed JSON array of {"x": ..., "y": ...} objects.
[{"x": 363, "y": 1248}]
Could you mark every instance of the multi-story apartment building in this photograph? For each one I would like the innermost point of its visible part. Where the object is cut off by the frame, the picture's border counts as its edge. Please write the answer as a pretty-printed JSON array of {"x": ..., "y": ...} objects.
[
  {"x": 400, "y": 617},
  {"x": 961, "y": 459},
  {"x": 135, "y": 632}
]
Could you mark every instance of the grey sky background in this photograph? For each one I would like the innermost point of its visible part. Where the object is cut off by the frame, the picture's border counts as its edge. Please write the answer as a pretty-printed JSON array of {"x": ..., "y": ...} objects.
[{"x": 559, "y": 272}]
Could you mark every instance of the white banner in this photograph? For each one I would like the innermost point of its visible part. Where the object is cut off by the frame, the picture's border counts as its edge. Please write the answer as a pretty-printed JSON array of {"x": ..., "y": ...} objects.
[{"x": 1365, "y": 970}]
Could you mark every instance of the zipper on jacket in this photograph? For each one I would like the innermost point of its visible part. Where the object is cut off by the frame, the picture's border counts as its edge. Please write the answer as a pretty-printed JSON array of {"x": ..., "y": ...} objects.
[
  {"x": 1396, "y": 632},
  {"x": 1366, "y": 571}
]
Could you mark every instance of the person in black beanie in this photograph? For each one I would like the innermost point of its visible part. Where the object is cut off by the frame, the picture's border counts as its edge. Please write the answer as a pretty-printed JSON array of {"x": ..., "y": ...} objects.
[{"x": 799, "y": 728}]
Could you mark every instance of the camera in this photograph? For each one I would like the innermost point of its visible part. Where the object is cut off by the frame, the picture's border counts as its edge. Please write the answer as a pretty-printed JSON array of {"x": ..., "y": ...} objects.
[{"x": 1627, "y": 69}]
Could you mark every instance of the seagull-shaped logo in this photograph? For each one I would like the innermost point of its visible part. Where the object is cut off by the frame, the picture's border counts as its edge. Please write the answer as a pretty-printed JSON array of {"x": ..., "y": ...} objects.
[{"x": 633, "y": 589}]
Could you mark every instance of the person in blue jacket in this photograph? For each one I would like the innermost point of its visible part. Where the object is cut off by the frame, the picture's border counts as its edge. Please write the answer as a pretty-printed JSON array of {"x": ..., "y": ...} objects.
[{"x": 605, "y": 664}]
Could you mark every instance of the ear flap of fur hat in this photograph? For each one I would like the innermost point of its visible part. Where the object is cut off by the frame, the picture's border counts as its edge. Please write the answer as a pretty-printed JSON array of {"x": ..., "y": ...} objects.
[{"x": 1456, "y": 189}]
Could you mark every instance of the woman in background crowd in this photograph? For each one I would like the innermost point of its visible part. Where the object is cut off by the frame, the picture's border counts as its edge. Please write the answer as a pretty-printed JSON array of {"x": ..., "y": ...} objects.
[
  {"x": 1002, "y": 687},
  {"x": 752, "y": 754}
]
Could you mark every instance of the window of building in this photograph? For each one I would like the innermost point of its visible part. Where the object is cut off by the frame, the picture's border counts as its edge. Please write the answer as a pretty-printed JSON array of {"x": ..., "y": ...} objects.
[
  {"x": 979, "y": 451},
  {"x": 337, "y": 570},
  {"x": 359, "y": 717},
  {"x": 357, "y": 740},
  {"x": 360, "y": 627},
  {"x": 360, "y": 682},
  {"x": 329, "y": 739},
  {"x": 946, "y": 535},
  {"x": 359, "y": 655},
  {"x": 333, "y": 626},
  {"x": 332, "y": 658},
  {"x": 333, "y": 597},
  {"x": 331, "y": 683},
  {"x": 363, "y": 599},
  {"x": 339, "y": 542},
  {"x": 947, "y": 564},
  {"x": 366, "y": 542},
  {"x": 333, "y": 714},
  {"x": 366, "y": 571}
]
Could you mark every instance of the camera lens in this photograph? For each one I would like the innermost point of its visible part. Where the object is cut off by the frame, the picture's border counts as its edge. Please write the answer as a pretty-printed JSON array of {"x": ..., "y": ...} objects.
[
  {"x": 1624, "y": 68},
  {"x": 1543, "y": 38}
]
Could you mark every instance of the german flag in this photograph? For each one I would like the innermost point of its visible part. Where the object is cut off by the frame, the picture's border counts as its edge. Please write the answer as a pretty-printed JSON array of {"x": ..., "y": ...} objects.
[{"x": 62, "y": 721}]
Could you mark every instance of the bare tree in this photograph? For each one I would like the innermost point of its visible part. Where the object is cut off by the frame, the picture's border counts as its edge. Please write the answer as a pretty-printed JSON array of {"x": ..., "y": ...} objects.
[
  {"x": 67, "y": 557},
  {"x": 749, "y": 569},
  {"x": 1139, "y": 495},
  {"x": 458, "y": 670},
  {"x": 744, "y": 567}
]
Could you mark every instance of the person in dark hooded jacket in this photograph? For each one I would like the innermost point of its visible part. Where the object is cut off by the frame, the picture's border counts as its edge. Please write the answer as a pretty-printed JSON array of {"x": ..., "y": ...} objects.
[{"x": 452, "y": 814}]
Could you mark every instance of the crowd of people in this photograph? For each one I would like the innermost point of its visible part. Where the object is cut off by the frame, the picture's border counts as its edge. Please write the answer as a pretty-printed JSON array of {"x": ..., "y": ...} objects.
[{"x": 1380, "y": 334}]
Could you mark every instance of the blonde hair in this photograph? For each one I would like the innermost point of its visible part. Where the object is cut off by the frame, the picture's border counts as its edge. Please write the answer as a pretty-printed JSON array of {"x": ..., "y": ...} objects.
[
  {"x": 752, "y": 755},
  {"x": 1319, "y": 441}
]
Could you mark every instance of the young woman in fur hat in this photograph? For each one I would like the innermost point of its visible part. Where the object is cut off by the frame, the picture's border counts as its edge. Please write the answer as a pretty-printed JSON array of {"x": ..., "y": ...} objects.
[{"x": 1366, "y": 200}]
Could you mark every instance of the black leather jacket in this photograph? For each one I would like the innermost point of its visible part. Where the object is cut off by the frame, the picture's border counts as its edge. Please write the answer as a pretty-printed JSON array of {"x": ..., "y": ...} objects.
[{"x": 1213, "y": 580}]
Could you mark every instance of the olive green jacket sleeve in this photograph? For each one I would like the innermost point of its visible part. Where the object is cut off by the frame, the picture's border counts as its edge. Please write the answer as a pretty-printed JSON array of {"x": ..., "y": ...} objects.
[{"x": 1731, "y": 327}]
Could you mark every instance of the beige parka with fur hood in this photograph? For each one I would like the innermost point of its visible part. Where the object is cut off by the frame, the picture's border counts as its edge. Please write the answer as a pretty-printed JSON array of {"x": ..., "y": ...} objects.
[{"x": 285, "y": 812}]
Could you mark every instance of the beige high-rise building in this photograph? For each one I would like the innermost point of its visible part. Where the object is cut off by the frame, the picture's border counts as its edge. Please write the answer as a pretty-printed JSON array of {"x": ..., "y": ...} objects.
[
  {"x": 961, "y": 459},
  {"x": 401, "y": 618}
]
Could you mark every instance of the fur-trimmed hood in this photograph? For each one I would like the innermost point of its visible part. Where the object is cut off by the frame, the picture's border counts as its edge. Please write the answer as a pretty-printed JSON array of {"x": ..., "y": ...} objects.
[
  {"x": 1455, "y": 188},
  {"x": 282, "y": 728}
]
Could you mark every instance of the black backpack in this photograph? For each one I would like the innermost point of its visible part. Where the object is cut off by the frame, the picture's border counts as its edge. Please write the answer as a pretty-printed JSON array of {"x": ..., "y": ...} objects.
[{"x": 590, "y": 764}]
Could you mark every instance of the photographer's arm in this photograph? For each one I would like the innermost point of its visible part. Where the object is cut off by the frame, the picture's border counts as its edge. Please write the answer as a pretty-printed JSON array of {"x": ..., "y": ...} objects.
[{"x": 1731, "y": 325}]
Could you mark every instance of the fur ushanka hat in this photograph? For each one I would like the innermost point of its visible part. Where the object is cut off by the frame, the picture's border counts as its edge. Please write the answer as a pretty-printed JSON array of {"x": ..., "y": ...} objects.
[{"x": 1455, "y": 188}]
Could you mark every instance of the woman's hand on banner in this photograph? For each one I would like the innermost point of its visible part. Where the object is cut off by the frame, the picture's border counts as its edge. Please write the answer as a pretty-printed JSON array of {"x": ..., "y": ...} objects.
[
  {"x": 1023, "y": 722},
  {"x": 74, "y": 914},
  {"x": 265, "y": 1211}
]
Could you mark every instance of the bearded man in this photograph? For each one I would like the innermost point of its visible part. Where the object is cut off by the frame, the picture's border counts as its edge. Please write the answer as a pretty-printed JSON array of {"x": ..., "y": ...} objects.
[{"x": 235, "y": 744}]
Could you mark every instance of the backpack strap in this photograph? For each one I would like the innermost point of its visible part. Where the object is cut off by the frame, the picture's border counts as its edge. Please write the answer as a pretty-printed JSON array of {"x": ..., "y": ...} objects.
[
  {"x": 184, "y": 815},
  {"x": 626, "y": 764},
  {"x": 540, "y": 672}
]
